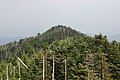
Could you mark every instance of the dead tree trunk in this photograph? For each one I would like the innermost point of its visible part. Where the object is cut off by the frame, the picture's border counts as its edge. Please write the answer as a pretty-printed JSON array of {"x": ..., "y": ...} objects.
[
  {"x": 53, "y": 69},
  {"x": 46, "y": 67},
  {"x": 43, "y": 68},
  {"x": 19, "y": 69},
  {"x": 7, "y": 72},
  {"x": 1, "y": 78},
  {"x": 65, "y": 69},
  {"x": 14, "y": 71}
]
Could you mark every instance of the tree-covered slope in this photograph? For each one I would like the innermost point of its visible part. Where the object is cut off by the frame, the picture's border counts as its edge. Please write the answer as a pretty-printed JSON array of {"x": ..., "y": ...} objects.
[
  {"x": 26, "y": 45},
  {"x": 63, "y": 54}
]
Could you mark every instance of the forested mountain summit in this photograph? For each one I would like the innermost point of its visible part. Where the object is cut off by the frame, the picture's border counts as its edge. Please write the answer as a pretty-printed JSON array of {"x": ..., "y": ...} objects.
[
  {"x": 55, "y": 33},
  {"x": 61, "y": 53}
]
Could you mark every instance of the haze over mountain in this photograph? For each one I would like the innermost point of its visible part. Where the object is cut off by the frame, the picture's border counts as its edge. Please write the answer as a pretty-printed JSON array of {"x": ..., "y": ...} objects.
[
  {"x": 114, "y": 37},
  {"x": 28, "y": 17},
  {"x": 111, "y": 37},
  {"x": 7, "y": 40}
]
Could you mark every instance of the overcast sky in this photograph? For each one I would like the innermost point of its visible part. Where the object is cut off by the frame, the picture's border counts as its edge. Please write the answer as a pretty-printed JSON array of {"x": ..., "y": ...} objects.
[{"x": 28, "y": 17}]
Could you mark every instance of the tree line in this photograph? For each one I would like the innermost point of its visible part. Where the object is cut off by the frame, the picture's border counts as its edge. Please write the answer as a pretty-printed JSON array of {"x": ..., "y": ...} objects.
[{"x": 61, "y": 53}]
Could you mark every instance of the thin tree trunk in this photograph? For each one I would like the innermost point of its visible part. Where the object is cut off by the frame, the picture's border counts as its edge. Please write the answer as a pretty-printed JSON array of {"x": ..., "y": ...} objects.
[
  {"x": 53, "y": 69},
  {"x": 7, "y": 72},
  {"x": 46, "y": 67},
  {"x": 22, "y": 63},
  {"x": 65, "y": 69},
  {"x": 43, "y": 68},
  {"x": 14, "y": 71},
  {"x": 102, "y": 68},
  {"x": 19, "y": 69}
]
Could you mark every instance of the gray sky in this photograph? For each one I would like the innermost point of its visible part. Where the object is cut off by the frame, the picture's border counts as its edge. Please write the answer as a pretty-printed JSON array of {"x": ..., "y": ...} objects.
[{"x": 28, "y": 17}]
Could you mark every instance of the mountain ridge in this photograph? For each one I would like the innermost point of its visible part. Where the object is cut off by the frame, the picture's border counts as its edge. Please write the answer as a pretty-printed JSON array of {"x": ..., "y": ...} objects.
[
  {"x": 53, "y": 34},
  {"x": 70, "y": 51}
]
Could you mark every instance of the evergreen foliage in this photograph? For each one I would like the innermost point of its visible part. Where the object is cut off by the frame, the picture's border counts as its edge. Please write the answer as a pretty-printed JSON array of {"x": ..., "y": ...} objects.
[{"x": 81, "y": 56}]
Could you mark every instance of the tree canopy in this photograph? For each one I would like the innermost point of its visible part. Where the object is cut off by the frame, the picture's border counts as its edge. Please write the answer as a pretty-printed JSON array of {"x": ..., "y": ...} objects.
[{"x": 76, "y": 56}]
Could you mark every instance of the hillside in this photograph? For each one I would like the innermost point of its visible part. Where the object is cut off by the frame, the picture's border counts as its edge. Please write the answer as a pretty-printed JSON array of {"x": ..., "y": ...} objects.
[
  {"x": 63, "y": 54},
  {"x": 54, "y": 34}
]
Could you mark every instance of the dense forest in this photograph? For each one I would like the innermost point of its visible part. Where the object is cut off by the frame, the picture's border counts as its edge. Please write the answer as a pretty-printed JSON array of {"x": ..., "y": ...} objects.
[{"x": 60, "y": 53}]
